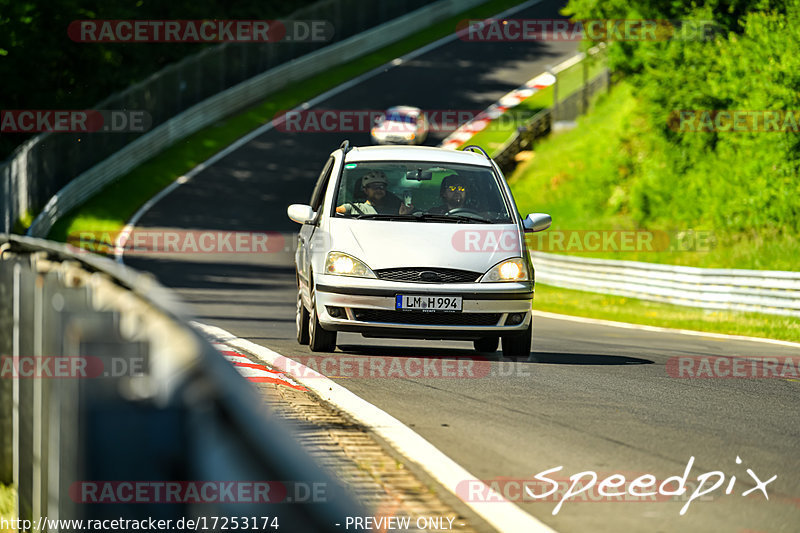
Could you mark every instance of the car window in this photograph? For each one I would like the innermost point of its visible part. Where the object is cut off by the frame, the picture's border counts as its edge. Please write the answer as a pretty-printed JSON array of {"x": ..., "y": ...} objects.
[
  {"x": 430, "y": 188},
  {"x": 400, "y": 117}
]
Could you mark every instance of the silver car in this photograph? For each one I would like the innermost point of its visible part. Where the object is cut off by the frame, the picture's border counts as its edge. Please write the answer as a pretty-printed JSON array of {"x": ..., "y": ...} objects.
[
  {"x": 400, "y": 125},
  {"x": 414, "y": 242}
]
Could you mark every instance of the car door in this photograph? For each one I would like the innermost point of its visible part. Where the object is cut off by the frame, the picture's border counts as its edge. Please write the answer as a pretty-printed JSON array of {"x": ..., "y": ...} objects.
[{"x": 303, "y": 256}]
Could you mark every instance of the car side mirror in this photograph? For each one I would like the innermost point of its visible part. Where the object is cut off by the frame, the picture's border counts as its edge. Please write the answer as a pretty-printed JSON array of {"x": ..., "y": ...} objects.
[
  {"x": 300, "y": 213},
  {"x": 537, "y": 222}
]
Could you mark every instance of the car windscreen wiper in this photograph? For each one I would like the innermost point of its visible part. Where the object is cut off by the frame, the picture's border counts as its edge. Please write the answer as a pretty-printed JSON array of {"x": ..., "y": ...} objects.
[
  {"x": 383, "y": 216},
  {"x": 475, "y": 219},
  {"x": 425, "y": 217}
]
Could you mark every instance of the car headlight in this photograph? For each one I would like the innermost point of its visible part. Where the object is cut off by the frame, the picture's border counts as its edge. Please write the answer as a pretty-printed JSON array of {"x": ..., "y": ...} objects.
[
  {"x": 341, "y": 264},
  {"x": 508, "y": 270}
]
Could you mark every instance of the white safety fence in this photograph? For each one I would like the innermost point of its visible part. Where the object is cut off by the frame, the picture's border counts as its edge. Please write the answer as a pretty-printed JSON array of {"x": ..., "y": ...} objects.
[{"x": 763, "y": 291}]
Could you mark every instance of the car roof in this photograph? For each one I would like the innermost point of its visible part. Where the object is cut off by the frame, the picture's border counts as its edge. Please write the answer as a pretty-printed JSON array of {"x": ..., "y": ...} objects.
[{"x": 415, "y": 153}]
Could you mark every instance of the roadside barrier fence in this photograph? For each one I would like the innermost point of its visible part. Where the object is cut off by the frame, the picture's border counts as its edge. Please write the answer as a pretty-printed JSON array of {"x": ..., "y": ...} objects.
[
  {"x": 763, "y": 291},
  {"x": 103, "y": 382}
]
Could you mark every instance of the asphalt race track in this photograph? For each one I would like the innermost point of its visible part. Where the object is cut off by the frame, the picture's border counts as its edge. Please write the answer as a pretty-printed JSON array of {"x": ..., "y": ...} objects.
[{"x": 591, "y": 397}]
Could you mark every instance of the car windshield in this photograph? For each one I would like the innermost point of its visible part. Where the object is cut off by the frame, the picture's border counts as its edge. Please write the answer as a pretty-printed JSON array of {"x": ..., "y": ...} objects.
[
  {"x": 400, "y": 117},
  {"x": 421, "y": 192}
]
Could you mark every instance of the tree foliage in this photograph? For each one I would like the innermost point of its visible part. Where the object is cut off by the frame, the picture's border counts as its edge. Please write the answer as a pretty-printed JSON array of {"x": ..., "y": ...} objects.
[
  {"x": 41, "y": 68},
  {"x": 741, "y": 181}
]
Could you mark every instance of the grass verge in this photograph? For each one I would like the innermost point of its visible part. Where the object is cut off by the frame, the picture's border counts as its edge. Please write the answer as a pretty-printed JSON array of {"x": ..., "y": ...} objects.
[
  {"x": 568, "y": 169},
  {"x": 8, "y": 498},
  {"x": 110, "y": 209},
  {"x": 634, "y": 311}
]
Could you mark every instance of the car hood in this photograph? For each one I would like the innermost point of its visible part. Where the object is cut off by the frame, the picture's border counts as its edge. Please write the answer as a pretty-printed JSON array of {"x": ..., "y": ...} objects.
[{"x": 393, "y": 244}]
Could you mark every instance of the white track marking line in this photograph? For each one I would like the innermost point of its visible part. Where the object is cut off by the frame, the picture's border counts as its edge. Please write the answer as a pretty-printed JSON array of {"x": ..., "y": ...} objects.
[
  {"x": 122, "y": 238},
  {"x": 626, "y": 325},
  {"x": 497, "y": 511}
]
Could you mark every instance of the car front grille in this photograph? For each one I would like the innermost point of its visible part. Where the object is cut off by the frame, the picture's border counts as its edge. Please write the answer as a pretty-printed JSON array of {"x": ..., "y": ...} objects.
[
  {"x": 428, "y": 275},
  {"x": 429, "y": 319}
]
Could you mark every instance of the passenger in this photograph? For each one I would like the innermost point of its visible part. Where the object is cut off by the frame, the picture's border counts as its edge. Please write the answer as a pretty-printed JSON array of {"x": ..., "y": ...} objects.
[{"x": 374, "y": 186}]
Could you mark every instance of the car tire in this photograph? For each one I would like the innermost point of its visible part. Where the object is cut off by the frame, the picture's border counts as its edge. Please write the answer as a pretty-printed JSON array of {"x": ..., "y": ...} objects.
[
  {"x": 486, "y": 344},
  {"x": 301, "y": 319},
  {"x": 319, "y": 340},
  {"x": 519, "y": 345}
]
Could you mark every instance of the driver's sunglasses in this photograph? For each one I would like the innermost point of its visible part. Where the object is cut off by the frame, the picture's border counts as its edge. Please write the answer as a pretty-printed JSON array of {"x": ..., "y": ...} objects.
[
  {"x": 459, "y": 188},
  {"x": 379, "y": 186}
]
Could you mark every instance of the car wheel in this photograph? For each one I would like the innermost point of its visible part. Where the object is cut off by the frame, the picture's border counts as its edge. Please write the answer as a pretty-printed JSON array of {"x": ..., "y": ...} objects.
[
  {"x": 486, "y": 344},
  {"x": 301, "y": 319},
  {"x": 518, "y": 345},
  {"x": 319, "y": 340}
]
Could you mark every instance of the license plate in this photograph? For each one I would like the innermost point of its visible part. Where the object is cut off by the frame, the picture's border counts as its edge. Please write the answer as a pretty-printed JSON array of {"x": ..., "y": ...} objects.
[{"x": 427, "y": 303}]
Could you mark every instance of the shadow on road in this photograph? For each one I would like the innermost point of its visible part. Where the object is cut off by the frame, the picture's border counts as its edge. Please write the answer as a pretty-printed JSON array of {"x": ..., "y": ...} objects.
[
  {"x": 414, "y": 351},
  {"x": 553, "y": 358}
]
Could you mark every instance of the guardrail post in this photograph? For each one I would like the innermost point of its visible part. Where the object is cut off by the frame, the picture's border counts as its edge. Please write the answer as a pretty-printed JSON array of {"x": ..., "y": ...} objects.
[
  {"x": 554, "y": 112},
  {"x": 585, "y": 102}
]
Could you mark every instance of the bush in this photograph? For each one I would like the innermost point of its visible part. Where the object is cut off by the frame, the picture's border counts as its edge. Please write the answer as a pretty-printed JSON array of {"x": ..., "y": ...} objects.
[{"x": 734, "y": 182}]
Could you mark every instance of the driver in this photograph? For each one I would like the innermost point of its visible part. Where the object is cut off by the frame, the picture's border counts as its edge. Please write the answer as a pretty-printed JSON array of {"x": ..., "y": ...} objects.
[
  {"x": 374, "y": 183},
  {"x": 453, "y": 192}
]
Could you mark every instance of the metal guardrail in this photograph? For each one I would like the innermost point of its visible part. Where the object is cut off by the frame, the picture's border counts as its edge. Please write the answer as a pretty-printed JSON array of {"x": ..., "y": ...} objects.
[
  {"x": 524, "y": 138},
  {"x": 763, "y": 291},
  {"x": 55, "y": 173},
  {"x": 154, "y": 402},
  {"x": 567, "y": 108}
]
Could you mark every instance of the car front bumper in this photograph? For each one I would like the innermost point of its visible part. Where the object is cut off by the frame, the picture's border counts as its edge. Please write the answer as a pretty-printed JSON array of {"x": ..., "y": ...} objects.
[{"x": 367, "y": 306}]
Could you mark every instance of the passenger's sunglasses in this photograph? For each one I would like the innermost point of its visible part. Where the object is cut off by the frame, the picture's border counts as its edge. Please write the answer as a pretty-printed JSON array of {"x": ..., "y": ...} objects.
[
  {"x": 459, "y": 188},
  {"x": 379, "y": 186}
]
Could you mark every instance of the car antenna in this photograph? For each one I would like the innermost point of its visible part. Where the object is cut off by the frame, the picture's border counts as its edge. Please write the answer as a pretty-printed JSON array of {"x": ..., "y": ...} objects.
[
  {"x": 475, "y": 147},
  {"x": 345, "y": 146}
]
